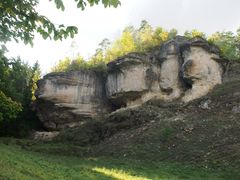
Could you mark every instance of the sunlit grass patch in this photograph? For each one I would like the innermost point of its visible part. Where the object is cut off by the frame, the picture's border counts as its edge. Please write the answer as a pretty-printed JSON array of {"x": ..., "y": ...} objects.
[{"x": 119, "y": 174}]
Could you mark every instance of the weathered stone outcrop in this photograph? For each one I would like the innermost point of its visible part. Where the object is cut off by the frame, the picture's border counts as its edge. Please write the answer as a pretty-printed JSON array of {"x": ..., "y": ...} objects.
[
  {"x": 179, "y": 70},
  {"x": 67, "y": 99},
  {"x": 201, "y": 71},
  {"x": 130, "y": 78}
]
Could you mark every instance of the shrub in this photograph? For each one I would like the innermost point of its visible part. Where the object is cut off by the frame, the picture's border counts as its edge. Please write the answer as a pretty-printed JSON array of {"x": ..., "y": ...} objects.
[{"x": 9, "y": 109}]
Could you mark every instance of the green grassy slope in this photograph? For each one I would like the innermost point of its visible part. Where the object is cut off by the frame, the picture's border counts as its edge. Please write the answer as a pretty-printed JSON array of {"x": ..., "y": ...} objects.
[{"x": 17, "y": 163}]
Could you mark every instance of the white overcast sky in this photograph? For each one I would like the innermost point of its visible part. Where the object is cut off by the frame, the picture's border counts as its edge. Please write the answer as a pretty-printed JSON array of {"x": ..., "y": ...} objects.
[{"x": 97, "y": 23}]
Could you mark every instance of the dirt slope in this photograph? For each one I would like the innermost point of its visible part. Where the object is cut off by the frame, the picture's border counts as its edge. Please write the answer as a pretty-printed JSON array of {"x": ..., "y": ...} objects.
[{"x": 206, "y": 131}]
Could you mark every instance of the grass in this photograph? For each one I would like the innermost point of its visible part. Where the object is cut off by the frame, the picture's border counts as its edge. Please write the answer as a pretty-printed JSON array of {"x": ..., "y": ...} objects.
[{"x": 17, "y": 163}]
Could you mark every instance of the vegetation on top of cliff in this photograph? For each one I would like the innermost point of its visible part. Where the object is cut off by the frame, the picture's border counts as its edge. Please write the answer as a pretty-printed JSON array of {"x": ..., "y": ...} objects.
[{"x": 144, "y": 39}]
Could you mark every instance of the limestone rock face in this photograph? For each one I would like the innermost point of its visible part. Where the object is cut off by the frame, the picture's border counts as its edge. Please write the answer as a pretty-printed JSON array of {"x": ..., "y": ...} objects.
[
  {"x": 170, "y": 60},
  {"x": 201, "y": 71},
  {"x": 129, "y": 79},
  {"x": 178, "y": 70},
  {"x": 67, "y": 99}
]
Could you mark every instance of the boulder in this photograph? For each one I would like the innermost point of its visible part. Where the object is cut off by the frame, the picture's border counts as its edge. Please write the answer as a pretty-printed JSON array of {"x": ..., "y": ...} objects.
[{"x": 44, "y": 136}]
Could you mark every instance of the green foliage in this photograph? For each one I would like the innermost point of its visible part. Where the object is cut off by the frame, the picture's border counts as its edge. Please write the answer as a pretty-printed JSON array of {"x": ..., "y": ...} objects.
[
  {"x": 20, "y": 20},
  {"x": 228, "y": 42},
  {"x": 194, "y": 33},
  {"x": 36, "y": 75},
  {"x": 9, "y": 109},
  {"x": 167, "y": 132},
  {"x": 62, "y": 65},
  {"x": 18, "y": 79},
  {"x": 79, "y": 63},
  {"x": 124, "y": 45},
  {"x": 17, "y": 86}
]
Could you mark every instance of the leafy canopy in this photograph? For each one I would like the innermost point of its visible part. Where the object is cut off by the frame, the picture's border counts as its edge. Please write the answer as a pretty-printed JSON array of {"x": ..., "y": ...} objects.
[
  {"x": 19, "y": 20},
  {"x": 228, "y": 42}
]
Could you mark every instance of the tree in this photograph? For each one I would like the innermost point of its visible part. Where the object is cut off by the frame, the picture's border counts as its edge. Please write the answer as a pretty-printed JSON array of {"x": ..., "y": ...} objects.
[
  {"x": 144, "y": 36},
  {"x": 17, "y": 83},
  {"x": 100, "y": 54},
  {"x": 228, "y": 42},
  {"x": 62, "y": 65},
  {"x": 9, "y": 109},
  {"x": 172, "y": 33},
  {"x": 68, "y": 64},
  {"x": 19, "y": 20},
  {"x": 194, "y": 33},
  {"x": 35, "y": 76},
  {"x": 124, "y": 45},
  {"x": 77, "y": 64}
]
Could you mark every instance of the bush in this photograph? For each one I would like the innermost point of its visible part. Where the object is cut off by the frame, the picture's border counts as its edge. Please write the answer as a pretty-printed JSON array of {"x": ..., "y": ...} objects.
[{"x": 9, "y": 109}]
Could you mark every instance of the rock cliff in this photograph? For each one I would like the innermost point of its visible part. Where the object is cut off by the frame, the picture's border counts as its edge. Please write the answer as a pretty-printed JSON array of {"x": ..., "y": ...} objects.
[
  {"x": 67, "y": 99},
  {"x": 178, "y": 70}
]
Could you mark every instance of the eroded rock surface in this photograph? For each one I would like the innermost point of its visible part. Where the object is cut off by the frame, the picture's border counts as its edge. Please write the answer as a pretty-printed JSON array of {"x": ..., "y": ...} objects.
[
  {"x": 200, "y": 69},
  {"x": 179, "y": 70},
  {"x": 44, "y": 136},
  {"x": 130, "y": 79},
  {"x": 67, "y": 99}
]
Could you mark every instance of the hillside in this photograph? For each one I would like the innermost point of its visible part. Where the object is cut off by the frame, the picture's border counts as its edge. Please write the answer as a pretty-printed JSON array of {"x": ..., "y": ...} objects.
[
  {"x": 195, "y": 141},
  {"x": 174, "y": 140},
  {"x": 158, "y": 140},
  {"x": 204, "y": 132}
]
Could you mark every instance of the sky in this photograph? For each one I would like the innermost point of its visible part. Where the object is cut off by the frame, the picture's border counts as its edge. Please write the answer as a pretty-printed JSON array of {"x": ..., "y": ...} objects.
[{"x": 96, "y": 23}]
